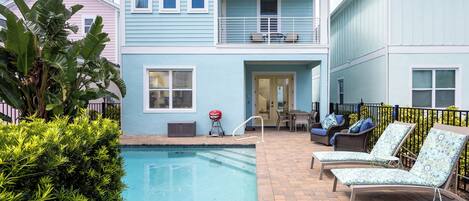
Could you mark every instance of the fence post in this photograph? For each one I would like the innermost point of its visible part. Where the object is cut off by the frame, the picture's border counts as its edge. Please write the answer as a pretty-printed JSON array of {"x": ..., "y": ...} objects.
[
  {"x": 359, "y": 110},
  {"x": 103, "y": 109},
  {"x": 331, "y": 108},
  {"x": 395, "y": 113}
]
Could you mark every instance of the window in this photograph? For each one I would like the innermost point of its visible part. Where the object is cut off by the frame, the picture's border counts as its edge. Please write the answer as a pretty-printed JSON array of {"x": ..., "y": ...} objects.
[
  {"x": 197, "y": 6},
  {"x": 169, "y": 6},
  {"x": 341, "y": 91},
  {"x": 433, "y": 88},
  {"x": 170, "y": 90},
  {"x": 141, "y": 6},
  {"x": 87, "y": 23}
]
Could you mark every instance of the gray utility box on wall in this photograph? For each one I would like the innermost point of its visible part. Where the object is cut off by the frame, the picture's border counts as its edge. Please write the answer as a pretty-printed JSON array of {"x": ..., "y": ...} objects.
[{"x": 181, "y": 129}]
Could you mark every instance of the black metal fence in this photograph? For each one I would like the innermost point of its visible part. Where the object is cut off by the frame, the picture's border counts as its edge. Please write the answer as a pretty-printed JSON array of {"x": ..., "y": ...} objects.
[
  {"x": 425, "y": 118},
  {"x": 107, "y": 110}
]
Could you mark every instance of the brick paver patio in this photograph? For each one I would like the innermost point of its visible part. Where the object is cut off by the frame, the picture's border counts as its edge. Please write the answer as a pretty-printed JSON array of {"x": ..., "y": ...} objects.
[{"x": 283, "y": 172}]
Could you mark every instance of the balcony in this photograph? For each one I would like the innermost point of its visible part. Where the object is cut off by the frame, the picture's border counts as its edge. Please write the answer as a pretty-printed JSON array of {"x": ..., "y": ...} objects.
[{"x": 268, "y": 30}]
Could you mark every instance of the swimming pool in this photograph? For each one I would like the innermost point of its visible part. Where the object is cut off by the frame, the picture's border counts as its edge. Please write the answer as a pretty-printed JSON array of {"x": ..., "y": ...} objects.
[{"x": 193, "y": 173}]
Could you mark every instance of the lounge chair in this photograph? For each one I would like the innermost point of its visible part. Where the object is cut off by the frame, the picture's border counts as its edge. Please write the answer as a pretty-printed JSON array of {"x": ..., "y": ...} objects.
[
  {"x": 433, "y": 169},
  {"x": 383, "y": 152},
  {"x": 257, "y": 37}
]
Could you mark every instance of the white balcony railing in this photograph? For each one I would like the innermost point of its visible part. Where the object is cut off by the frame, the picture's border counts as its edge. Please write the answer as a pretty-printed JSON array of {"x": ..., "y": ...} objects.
[{"x": 268, "y": 30}]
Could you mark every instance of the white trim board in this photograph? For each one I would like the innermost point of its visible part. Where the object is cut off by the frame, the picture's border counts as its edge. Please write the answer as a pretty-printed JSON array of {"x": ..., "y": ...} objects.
[
  {"x": 215, "y": 50},
  {"x": 362, "y": 59},
  {"x": 428, "y": 49}
]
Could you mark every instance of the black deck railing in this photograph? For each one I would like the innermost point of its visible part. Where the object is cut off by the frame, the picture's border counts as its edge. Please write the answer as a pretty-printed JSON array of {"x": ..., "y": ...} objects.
[
  {"x": 425, "y": 118},
  {"x": 107, "y": 110}
]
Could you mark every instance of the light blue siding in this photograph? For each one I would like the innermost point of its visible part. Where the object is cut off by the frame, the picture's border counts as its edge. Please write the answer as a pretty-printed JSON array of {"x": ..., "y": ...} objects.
[
  {"x": 365, "y": 81},
  {"x": 429, "y": 22},
  {"x": 169, "y": 29},
  {"x": 400, "y": 75},
  {"x": 303, "y": 82},
  {"x": 357, "y": 29},
  {"x": 220, "y": 84}
]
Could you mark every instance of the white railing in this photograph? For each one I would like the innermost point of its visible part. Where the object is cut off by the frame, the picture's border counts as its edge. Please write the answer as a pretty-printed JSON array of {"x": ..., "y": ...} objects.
[
  {"x": 244, "y": 124},
  {"x": 268, "y": 30}
]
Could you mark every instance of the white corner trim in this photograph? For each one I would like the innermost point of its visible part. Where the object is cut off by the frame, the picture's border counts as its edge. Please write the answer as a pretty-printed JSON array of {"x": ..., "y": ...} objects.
[
  {"x": 198, "y": 10},
  {"x": 414, "y": 49},
  {"x": 121, "y": 24},
  {"x": 367, "y": 57},
  {"x": 162, "y": 9},
  {"x": 149, "y": 9},
  {"x": 146, "y": 95}
]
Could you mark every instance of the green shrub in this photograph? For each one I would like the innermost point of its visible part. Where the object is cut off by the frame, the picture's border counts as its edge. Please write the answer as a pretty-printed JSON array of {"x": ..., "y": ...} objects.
[{"x": 61, "y": 160}]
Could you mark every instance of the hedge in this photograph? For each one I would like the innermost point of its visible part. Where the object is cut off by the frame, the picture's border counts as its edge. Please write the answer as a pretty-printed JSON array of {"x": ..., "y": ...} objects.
[{"x": 61, "y": 160}]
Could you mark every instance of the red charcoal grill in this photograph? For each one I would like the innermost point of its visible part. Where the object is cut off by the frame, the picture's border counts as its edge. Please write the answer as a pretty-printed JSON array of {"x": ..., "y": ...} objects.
[{"x": 217, "y": 130}]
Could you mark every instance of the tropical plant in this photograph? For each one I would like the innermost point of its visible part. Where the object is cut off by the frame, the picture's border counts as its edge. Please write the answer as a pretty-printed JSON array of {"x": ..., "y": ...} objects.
[
  {"x": 61, "y": 159},
  {"x": 42, "y": 72}
]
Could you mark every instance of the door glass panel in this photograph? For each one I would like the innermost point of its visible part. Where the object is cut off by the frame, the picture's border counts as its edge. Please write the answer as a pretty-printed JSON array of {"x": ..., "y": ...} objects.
[
  {"x": 263, "y": 98},
  {"x": 282, "y": 95},
  {"x": 269, "y": 12}
]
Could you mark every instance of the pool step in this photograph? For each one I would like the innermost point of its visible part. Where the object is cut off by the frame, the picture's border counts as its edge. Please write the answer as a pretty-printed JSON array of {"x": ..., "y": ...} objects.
[
  {"x": 235, "y": 157},
  {"x": 227, "y": 162}
]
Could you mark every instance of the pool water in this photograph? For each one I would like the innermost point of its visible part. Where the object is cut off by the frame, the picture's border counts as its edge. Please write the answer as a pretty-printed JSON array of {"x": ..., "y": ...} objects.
[{"x": 190, "y": 173}]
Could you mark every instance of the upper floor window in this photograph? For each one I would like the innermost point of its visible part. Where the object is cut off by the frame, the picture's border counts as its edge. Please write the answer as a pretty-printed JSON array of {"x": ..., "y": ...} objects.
[
  {"x": 87, "y": 23},
  {"x": 197, "y": 6},
  {"x": 434, "y": 88},
  {"x": 141, "y": 6},
  {"x": 170, "y": 90},
  {"x": 169, "y": 6}
]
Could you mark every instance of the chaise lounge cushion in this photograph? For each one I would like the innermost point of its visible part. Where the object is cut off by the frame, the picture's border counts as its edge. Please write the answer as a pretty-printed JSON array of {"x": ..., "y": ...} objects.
[
  {"x": 319, "y": 131},
  {"x": 389, "y": 141},
  {"x": 378, "y": 176}
]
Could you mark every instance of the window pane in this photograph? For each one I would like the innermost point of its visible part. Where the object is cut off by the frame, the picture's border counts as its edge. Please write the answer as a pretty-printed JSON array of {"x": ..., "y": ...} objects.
[
  {"x": 269, "y": 7},
  {"x": 444, "y": 98},
  {"x": 422, "y": 98},
  {"x": 169, "y": 3},
  {"x": 159, "y": 99},
  {"x": 87, "y": 29},
  {"x": 198, "y": 3},
  {"x": 159, "y": 79},
  {"x": 182, "y": 80},
  {"x": 88, "y": 21},
  {"x": 182, "y": 99},
  {"x": 141, "y": 3},
  {"x": 422, "y": 79},
  {"x": 445, "y": 79}
]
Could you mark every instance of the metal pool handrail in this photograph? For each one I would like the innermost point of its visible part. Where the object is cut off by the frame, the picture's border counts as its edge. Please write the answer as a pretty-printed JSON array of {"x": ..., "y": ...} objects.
[{"x": 245, "y": 122}]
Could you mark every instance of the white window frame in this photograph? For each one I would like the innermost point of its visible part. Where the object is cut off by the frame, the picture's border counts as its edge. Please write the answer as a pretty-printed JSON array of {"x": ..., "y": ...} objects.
[
  {"x": 197, "y": 10},
  {"x": 134, "y": 9},
  {"x": 434, "y": 68},
  {"x": 146, "y": 89},
  {"x": 85, "y": 17},
  {"x": 338, "y": 89},
  {"x": 169, "y": 10}
]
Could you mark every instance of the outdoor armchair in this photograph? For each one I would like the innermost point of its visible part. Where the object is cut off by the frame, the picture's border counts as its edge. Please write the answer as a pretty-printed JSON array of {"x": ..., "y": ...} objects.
[
  {"x": 345, "y": 141},
  {"x": 433, "y": 169},
  {"x": 323, "y": 136},
  {"x": 382, "y": 153}
]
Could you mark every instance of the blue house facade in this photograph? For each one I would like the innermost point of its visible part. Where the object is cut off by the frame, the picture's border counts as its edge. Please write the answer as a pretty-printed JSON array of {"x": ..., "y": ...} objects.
[
  {"x": 405, "y": 52},
  {"x": 182, "y": 58}
]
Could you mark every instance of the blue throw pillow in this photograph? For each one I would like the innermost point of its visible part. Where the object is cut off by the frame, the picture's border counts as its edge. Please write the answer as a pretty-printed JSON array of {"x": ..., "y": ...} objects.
[
  {"x": 367, "y": 124},
  {"x": 329, "y": 121},
  {"x": 355, "y": 128}
]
